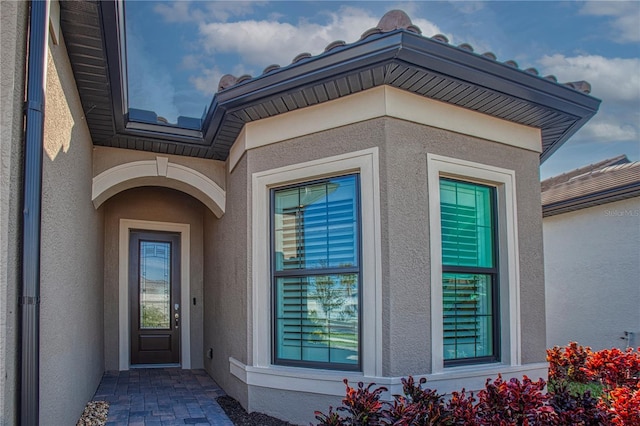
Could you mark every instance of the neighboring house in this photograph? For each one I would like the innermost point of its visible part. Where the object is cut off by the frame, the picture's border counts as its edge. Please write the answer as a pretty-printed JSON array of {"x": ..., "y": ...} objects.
[
  {"x": 591, "y": 223},
  {"x": 368, "y": 213}
]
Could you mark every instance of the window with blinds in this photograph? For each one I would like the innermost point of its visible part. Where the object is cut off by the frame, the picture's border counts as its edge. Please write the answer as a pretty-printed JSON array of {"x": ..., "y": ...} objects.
[
  {"x": 469, "y": 265},
  {"x": 316, "y": 273}
]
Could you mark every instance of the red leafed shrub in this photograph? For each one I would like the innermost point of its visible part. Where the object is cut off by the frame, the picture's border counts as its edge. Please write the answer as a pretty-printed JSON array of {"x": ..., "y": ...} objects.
[
  {"x": 614, "y": 368},
  {"x": 623, "y": 406},
  {"x": 363, "y": 404},
  {"x": 514, "y": 403},
  {"x": 566, "y": 363},
  {"x": 577, "y": 408},
  {"x": 462, "y": 409},
  {"x": 500, "y": 403},
  {"x": 612, "y": 374}
]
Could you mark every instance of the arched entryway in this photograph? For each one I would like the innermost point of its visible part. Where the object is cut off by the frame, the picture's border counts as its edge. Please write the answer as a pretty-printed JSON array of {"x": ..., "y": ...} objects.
[{"x": 154, "y": 212}]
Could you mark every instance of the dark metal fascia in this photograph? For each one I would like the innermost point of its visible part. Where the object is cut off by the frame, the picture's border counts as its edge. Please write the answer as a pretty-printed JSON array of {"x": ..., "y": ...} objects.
[
  {"x": 108, "y": 15},
  {"x": 29, "y": 301},
  {"x": 480, "y": 71},
  {"x": 601, "y": 197},
  {"x": 314, "y": 71},
  {"x": 163, "y": 133}
]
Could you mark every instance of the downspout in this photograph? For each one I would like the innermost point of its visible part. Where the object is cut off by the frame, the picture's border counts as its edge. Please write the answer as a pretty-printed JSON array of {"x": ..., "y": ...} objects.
[{"x": 29, "y": 403}]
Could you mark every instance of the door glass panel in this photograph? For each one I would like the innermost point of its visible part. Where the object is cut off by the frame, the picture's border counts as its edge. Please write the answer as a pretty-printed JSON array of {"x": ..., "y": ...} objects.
[{"x": 155, "y": 285}]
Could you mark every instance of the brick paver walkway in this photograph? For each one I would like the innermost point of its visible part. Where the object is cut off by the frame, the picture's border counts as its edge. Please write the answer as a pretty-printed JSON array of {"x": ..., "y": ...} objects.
[{"x": 162, "y": 396}]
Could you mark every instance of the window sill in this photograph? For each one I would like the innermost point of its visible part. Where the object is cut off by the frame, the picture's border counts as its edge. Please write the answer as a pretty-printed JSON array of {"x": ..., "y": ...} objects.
[{"x": 330, "y": 382}]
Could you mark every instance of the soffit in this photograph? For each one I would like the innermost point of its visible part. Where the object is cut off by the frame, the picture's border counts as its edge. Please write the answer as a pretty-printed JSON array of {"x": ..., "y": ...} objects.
[{"x": 400, "y": 58}]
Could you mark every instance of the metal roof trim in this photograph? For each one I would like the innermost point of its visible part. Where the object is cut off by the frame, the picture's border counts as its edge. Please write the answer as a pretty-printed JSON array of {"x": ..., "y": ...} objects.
[{"x": 243, "y": 101}]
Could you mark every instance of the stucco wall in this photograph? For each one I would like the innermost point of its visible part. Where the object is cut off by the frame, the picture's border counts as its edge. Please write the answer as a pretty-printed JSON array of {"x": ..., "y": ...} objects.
[
  {"x": 105, "y": 158},
  {"x": 407, "y": 145},
  {"x": 592, "y": 265},
  {"x": 160, "y": 205},
  {"x": 227, "y": 271},
  {"x": 13, "y": 21},
  {"x": 405, "y": 236},
  {"x": 71, "y": 357}
]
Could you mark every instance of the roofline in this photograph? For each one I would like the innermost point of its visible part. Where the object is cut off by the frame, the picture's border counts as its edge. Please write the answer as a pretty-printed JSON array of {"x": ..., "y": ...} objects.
[
  {"x": 605, "y": 196},
  {"x": 558, "y": 110}
]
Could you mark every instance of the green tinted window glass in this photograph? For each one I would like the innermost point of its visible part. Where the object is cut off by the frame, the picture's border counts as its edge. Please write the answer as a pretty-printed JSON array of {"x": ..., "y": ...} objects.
[
  {"x": 467, "y": 224},
  {"x": 467, "y": 316}
]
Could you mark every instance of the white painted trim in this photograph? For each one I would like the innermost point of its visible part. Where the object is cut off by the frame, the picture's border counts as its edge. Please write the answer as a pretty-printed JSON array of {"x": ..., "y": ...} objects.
[
  {"x": 164, "y": 173},
  {"x": 366, "y": 163},
  {"x": 505, "y": 182},
  {"x": 123, "y": 286},
  {"x": 54, "y": 21},
  {"x": 326, "y": 382},
  {"x": 379, "y": 102},
  {"x": 238, "y": 149}
]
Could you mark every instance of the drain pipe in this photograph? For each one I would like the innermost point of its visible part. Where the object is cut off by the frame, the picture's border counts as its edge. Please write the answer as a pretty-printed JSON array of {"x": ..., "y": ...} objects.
[{"x": 29, "y": 402}]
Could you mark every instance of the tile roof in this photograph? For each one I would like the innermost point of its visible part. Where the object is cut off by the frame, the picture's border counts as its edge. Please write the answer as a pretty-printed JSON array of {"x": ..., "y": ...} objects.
[
  {"x": 603, "y": 182},
  {"x": 391, "y": 21},
  {"x": 564, "y": 177},
  {"x": 393, "y": 53}
]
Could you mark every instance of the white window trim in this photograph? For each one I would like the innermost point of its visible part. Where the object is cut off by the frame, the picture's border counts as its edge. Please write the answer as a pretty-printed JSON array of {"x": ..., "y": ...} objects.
[
  {"x": 509, "y": 270},
  {"x": 366, "y": 164},
  {"x": 123, "y": 289}
]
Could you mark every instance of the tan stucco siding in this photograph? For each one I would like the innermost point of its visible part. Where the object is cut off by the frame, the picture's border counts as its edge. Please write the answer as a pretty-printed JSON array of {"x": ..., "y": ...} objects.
[
  {"x": 158, "y": 205},
  {"x": 105, "y": 158},
  {"x": 227, "y": 272},
  {"x": 404, "y": 219},
  {"x": 13, "y": 21},
  {"x": 407, "y": 146},
  {"x": 405, "y": 243},
  {"x": 71, "y": 357}
]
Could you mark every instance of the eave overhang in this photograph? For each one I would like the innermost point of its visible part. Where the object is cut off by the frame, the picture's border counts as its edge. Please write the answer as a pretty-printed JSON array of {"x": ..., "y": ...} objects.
[
  {"x": 399, "y": 58},
  {"x": 604, "y": 196}
]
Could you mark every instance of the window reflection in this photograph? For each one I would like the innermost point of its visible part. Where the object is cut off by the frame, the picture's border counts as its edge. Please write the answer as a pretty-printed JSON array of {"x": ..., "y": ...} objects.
[{"x": 155, "y": 284}]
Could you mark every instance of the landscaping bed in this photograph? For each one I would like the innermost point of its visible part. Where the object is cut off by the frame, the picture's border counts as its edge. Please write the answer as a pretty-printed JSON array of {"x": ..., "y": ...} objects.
[
  {"x": 240, "y": 417},
  {"x": 585, "y": 388}
]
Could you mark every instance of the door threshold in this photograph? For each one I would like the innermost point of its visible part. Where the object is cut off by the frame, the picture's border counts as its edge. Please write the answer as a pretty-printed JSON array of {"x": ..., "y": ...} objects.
[{"x": 135, "y": 366}]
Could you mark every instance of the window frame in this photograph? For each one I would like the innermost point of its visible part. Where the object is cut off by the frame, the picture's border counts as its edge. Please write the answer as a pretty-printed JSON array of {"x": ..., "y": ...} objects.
[
  {"x": 259, "y": 366},
  {"x": 309, "y": 272},
  {"x": 492, "y": 272},
  {"x": 504, "y": 181}
]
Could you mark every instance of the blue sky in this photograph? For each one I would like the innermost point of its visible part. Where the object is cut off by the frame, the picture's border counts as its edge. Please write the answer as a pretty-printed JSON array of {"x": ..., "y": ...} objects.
[{"x": 178, "y": 50}]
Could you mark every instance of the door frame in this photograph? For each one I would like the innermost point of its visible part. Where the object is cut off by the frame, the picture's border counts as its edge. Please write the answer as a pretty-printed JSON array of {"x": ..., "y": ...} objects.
[{"x": 124, "y": 332}]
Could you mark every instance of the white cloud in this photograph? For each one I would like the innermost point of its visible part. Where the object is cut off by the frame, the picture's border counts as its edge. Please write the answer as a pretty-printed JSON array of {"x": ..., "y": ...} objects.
[
  {"x": 186, "y": 11},
  {"x": 223, "y": 10},
  {"x": 625, "y": 17},
  {"x": 611, "y": 79},
  {"x": 616, "y": 81},
  {"x": 178, "y": 11},
  {"x": 207, "y": 81},
  {"x": 190, "y": 62},
  {"x": 468, "y": 7},
  {"x": 150, "y": 85},
  {"x": 262, "y": 42},
  {"x": 607, "y": 128}
]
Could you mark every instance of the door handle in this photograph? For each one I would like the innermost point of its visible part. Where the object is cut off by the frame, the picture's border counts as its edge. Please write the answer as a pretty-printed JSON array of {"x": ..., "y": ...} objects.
[{"x": 177, "y": 319}]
